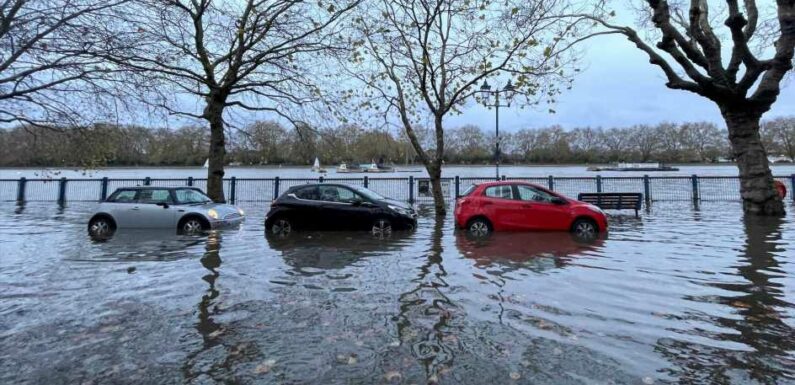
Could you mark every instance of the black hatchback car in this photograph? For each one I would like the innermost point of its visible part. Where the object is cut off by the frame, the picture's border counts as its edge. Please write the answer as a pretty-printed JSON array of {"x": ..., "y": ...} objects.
[{"x": 326, "y": 206}]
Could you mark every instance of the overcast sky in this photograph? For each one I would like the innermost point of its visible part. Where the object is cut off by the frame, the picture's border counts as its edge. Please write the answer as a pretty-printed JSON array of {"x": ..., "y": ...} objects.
[{"x": 618, "y": 88}]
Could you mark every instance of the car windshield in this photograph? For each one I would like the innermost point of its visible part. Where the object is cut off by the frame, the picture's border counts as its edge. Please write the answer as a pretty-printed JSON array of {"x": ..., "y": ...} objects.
[
  {"x": 189, "y": 196},
  {"x": 370, "y": 194},
  {"x": 469, "y": 190}
]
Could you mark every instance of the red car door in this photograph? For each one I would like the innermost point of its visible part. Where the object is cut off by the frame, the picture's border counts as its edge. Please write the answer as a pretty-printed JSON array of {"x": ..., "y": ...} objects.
[
  {"x": 500, "y": 206},
  {"x": 539, "y": 213}
]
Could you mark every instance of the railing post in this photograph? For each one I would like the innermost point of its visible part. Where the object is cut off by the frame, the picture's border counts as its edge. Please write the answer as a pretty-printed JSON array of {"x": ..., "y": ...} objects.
[
  {"x": 411, "y": 188},
  {"x": 598, "y": 183},
  {"x": 366, "y": 182},
  {"x": 62, "y": 190},
  {"x": 232, "y": 183},
  {"x": 551, "y": 182},
  {"x": 147, "y": 181},
  {"x": 23, "y": 182},
  {"x": 647, "y": 189},
  {"x": 103, "y": 193},
  {"x": 190, "y": 181},
  {"x": 694, "y": 180},
  {"x": 320, "y": 179},
  {"x": 457, "y": 186},
  {"x": 792, "y": 190},
  {"x": 275, "y": 188}
]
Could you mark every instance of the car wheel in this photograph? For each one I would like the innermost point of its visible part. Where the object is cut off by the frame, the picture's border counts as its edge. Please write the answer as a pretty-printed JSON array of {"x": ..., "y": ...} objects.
[
  {"x": 479, "y": 227},
  {"x": 381, "y": 228},
  {"x": 584, "y": 229},
  {"x": 281, "y": 227},
  {"x": 100, "y": 227},
  {"x": 191, "y": 226}
]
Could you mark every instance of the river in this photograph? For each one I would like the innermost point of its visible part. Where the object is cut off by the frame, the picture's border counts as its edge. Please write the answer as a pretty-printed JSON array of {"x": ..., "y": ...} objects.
[{"x": 401, "y": 171}]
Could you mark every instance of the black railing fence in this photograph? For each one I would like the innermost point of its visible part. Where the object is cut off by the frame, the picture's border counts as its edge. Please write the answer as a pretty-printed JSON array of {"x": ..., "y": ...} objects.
[{"x": 654, "y": 188}]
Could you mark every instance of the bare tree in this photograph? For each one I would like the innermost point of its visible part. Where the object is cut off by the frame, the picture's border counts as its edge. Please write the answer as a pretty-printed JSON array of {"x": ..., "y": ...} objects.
[
  {"x": 422, "y": 59},
  {"x": 781, "y": 132},
  {"x": 251, "y": 55},
  {"x": 741, "y": 84},
  {"x": 46, "y": 77}
]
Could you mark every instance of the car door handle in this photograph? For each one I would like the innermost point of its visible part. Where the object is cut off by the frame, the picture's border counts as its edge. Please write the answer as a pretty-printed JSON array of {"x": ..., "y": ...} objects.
[
  {"x": 135, "y": 209},
  {"x": 486, "y": 203},
  {"x": 527, "y": 206}
]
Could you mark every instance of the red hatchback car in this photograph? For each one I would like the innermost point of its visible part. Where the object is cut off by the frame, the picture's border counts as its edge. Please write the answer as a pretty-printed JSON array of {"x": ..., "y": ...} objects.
[{"x": 517, "y": 206}]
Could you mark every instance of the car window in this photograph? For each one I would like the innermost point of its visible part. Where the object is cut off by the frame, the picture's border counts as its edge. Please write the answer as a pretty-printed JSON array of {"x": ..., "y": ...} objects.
[
  {"x": 188, "y": 196},
  {"x": 123, "y": 196},
  {"x": 337, "y": 194},
  {"x": 309, "y": 193},
  {"x": 154, "y": 196},
  {"x": 504, "y": 192},
  {"x": 527, "y": 193}
]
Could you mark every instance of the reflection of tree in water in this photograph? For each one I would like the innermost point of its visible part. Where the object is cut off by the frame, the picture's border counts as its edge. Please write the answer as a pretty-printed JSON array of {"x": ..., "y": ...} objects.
[
  {"x": 758, "y": 304},
  {"x": 211, "y": 260},
  {"x": 426, "y": 312},
  {"x": 214, "y": 358}
]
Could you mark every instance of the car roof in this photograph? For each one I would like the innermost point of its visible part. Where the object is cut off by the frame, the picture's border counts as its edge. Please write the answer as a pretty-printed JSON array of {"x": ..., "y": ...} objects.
[
  {"x": 322, "y": 184},
  {"x": 507, "y": 182},
  {"x": 157, "y": 188}
]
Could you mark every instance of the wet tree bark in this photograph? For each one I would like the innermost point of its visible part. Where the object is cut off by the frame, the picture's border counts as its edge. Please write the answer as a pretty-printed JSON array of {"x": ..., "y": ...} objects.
[
  {"x": 213, "y": 113},
  {"x": 756, "y": 180},
  {"x": 435, "y": 169}
]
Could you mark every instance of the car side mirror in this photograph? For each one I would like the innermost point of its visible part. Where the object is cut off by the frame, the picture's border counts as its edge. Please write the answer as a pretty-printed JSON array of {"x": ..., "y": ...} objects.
[
  {"x": 162, "y": 204},
  {"x": 357, "y": 202},
  {"x": 559, "y": 201}
]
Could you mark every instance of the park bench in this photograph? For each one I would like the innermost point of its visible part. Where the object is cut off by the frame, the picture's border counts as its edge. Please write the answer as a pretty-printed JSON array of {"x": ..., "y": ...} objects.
[{"x": 613, "y": 200}]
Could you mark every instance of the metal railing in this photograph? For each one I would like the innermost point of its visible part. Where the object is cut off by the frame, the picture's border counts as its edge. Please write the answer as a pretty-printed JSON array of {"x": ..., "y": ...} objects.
[{"x": 658, "y": 188}]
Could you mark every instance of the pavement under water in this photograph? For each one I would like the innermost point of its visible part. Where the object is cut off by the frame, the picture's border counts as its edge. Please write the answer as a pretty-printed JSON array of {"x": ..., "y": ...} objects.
[{"x": 674, "y": 296}]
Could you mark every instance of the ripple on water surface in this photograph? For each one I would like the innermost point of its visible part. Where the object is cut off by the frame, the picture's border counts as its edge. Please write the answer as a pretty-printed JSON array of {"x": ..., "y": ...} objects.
[{"x": 676, "y": 295}]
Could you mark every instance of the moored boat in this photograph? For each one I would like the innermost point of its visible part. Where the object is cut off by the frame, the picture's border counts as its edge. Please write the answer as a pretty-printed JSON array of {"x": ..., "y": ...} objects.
[
  {"x": 316, "y": 167},
  {"x": 634, "y": 167},
  {"x": 343, "y": 168}
]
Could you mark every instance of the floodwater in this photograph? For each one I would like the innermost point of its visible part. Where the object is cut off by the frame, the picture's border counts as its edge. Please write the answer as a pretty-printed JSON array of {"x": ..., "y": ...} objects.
[
  {"x": 674, "y": 296},
  {"x": 726, "y": 169}
]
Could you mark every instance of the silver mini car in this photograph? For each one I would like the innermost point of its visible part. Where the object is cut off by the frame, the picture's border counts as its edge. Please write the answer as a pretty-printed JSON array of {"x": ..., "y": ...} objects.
[{"x": 186, "y": 209}]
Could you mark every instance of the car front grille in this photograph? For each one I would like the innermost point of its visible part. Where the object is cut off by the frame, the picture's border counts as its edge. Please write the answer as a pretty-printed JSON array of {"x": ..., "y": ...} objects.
[{"x": 232, "y": 216}]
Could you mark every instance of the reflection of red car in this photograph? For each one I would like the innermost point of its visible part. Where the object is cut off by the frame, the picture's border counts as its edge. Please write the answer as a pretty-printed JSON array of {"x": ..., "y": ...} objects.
[
  {"x": 516, "y": 206},
  {"x": 522, "y": 247},
  {"x": 781, "y": 188}
]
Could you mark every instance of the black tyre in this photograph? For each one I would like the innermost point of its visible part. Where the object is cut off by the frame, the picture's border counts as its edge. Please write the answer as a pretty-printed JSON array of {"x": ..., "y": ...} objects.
[
  {"x": 479, "y": 227},
  {"x": 192, "y": 225},
  {"x": 282, "y": 226},
  {"x": 101, "y": 227},
  {"x": 381, "y": 227},
  {"x": 585, "y": 229}
]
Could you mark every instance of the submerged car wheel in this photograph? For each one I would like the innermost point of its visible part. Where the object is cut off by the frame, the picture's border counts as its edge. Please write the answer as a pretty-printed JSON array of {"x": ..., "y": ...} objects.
[
  {"x": 479, "y": 227},
  {"x": 281, "y": 226},
  {"x": 101, "y": 227},
  {"x": 381, "y": 228},
  {"x": 191, "y": 225},
  {"x": 584, "y": 229}
]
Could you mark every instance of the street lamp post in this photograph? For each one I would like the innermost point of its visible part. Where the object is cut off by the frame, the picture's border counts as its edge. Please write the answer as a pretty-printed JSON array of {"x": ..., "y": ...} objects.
[{"x": 487, "y": 93}]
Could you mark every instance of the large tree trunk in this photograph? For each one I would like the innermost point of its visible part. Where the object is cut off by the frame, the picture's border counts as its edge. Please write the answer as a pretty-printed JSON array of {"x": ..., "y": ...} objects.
[
  {"x": 435, "y": 173},
  {"x": 213, "y": 112},
  {"x": 756, "y": 181}
]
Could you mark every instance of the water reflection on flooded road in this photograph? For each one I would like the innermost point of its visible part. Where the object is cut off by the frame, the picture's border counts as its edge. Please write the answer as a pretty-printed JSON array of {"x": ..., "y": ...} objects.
[{"x": 676, "y": 296}]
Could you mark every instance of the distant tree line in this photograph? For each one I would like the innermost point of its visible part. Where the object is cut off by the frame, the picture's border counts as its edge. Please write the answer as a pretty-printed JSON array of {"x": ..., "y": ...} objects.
[{"x": 271, "y": 143}]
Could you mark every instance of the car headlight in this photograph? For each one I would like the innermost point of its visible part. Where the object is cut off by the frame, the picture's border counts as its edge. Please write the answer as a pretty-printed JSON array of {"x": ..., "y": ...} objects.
[
  {"x": 400, "y": 210},
  {"x": 240, "y": 211},
  {"x": 212, "y": 213}
]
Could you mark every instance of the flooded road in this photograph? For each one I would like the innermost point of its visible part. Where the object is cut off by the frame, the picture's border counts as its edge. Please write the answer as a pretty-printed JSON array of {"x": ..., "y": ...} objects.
[{"x": 675, "y": 296}]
